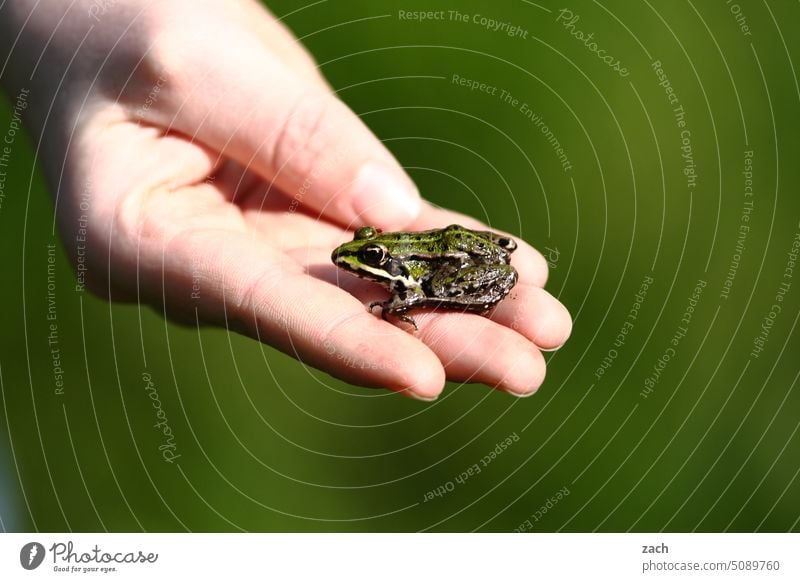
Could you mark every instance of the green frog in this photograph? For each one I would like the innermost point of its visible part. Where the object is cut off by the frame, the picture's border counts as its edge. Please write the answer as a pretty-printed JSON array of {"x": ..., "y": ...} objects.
[{"x": 453, "y": 267}]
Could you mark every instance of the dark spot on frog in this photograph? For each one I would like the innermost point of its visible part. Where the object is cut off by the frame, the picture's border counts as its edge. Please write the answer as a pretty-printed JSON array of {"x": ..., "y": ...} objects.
[
  {"x": 507, "y": 243},
  {"x": 394, "y": 268}
]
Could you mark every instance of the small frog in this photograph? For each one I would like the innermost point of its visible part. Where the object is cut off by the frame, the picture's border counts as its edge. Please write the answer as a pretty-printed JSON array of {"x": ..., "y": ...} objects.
[{"x": 453, "y": 267}]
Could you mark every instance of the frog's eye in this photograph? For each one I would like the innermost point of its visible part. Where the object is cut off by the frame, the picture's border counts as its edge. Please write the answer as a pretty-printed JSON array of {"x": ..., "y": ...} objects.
[
  {"x": 373, "y": 255},
  {"x": 366, "y": 232}
]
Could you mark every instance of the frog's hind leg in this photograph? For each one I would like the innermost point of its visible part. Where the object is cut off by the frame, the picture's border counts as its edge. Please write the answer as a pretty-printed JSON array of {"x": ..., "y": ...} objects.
[{"x": 477, "y": 288}]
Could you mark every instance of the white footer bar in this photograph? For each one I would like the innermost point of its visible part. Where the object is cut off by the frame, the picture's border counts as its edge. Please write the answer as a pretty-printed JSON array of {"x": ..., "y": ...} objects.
[{"x": 401, "y": 557}]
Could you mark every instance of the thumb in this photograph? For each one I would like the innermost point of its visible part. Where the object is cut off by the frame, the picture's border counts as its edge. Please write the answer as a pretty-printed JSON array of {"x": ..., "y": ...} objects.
[{"x": 290, "y": 130}]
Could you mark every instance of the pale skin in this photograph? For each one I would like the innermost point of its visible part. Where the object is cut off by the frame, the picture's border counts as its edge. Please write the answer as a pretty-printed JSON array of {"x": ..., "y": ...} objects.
[{"x": 220, "y": 170}]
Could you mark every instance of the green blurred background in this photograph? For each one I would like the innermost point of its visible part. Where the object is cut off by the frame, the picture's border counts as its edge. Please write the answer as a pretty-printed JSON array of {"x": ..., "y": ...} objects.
[{"x": 266, "y": 443}]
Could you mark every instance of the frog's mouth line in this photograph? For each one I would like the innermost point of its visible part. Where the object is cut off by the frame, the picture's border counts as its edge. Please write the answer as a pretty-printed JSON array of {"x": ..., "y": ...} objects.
[{"x": 372, "y": 273}]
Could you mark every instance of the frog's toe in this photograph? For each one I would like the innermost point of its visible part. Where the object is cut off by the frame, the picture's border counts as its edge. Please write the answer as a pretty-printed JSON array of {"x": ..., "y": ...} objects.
[
  {"x": 409, "y": 320},
  {"x": 399, "y": 315}
]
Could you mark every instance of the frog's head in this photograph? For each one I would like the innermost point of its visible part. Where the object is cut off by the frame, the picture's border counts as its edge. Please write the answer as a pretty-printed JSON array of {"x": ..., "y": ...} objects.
[{"x": 366, "y": 256}]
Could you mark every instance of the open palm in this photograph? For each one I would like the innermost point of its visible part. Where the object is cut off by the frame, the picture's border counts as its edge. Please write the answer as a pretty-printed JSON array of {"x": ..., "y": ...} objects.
[{"x": 218, "y": 177}]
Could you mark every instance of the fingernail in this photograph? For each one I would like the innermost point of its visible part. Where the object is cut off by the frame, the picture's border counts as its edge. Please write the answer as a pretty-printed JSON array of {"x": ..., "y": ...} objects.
[
  {"x": 520, "y": 394},
  {"x": 555, "y": 349},
  {"x": 417, "y": 396},
  {"x": 384, "y": 196}
]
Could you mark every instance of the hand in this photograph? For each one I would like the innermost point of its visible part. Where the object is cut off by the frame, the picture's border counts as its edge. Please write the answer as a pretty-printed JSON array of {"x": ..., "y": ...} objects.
[{"x": 214, "y": 171}]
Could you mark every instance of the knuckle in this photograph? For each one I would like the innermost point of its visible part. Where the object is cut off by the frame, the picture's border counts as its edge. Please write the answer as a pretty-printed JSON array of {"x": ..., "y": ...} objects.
[
  {"x": 300, "y": 140},
  {"x": 251, "y": 308}
]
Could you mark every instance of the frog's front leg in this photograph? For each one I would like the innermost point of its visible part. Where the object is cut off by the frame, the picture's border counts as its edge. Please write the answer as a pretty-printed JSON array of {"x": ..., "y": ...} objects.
[{"x": 402, "y": 301}]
